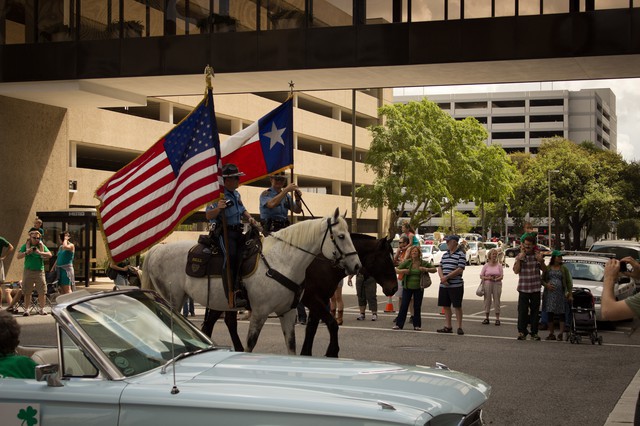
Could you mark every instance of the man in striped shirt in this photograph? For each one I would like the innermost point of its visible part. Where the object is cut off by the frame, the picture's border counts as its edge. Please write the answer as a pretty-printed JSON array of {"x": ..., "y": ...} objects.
[
  {"x": 451, "y": 284},
  {"x": 529, "y": 267}
]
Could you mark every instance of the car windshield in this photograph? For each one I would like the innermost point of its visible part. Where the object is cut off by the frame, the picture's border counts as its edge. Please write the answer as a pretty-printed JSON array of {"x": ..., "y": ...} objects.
[
  {"x": 585, "y": 270},
  {"x": 473, "y": 246},
  {"x": 426, "y": 249},
  {"x": 136, "y": 331}
]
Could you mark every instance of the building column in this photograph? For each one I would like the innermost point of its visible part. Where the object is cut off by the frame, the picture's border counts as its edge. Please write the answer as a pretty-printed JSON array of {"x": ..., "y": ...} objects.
[{"x": 166, "y": 112}]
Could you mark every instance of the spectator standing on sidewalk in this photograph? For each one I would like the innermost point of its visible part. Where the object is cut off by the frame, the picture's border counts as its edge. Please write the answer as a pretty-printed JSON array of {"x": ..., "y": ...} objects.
[
  {"x": 412, "y": 268},
  {"x": 529, "y": 265},
  {"x": 491, "y": 276},
  {"x": 366, "y": 292},
  {"x": 398, "y": 258},
  {"x": 34, "y": 252},
  {"x": 451, "y": 289}
]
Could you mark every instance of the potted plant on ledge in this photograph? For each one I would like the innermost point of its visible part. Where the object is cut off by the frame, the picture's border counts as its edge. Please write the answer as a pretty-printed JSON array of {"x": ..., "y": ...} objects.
[
  {"x": 130, "y": 29},
  {"x": 58, "y": 32},
  {"x": 217, "y": 23}
]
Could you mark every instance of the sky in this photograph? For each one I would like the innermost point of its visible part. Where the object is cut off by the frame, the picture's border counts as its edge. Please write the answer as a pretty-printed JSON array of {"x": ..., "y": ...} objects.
[{"x": 627, "y": 92}]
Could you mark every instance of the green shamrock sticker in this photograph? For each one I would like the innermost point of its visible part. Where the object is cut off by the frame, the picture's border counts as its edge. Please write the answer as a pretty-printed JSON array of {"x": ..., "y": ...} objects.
[{"x": 28, "y": 416}]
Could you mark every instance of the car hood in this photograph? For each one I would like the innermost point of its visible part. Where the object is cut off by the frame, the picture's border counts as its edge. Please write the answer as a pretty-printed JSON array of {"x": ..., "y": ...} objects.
[{"x": 298, "y": 383}]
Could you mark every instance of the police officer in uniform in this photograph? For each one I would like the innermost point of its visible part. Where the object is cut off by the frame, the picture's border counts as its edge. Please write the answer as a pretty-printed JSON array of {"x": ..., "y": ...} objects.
[
  {"x": 276, "y": 202},
  {"x": 233, "y": 209}
]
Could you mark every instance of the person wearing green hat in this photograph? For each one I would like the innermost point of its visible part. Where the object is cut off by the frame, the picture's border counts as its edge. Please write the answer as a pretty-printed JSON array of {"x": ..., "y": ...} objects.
[{"x": 558, "y": 286}]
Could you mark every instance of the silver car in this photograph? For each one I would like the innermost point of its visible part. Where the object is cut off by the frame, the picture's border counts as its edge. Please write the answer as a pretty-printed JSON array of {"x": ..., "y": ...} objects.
[
  {"x": 587, "y": 270},
  {"x": 125, "y": 358}
]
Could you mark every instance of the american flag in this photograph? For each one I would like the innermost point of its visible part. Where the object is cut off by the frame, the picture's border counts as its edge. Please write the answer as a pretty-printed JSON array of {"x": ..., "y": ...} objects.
[{"x": 148, "y": 198}]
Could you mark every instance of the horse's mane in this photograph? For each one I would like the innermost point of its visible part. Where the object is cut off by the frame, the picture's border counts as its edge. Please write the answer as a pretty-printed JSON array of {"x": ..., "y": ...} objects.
[{"x": 301, "y": 234}]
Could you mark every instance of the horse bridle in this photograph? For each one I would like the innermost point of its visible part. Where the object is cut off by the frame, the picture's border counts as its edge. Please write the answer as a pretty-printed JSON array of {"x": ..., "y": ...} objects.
[{"x": 333, "y": 240}]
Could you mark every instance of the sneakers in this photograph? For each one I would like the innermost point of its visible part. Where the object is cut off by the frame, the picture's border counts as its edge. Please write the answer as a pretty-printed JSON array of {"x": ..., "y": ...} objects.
[
  {"x": 550, "y": 337},
  {"x": 417, "y": 328},
  {"x": 395, "y": 327},
  {"x": 460, "y": 332},
  {"x": 42, "y": 312},
  {"x": 535, "y": 337},
  {"x": 374, "y": 317},
  {"x": 522, "y": 336},
  {"x": 360, "y": 317},
  {"x": 559, "y": 337},
  {"x": 485, "y": 321}
]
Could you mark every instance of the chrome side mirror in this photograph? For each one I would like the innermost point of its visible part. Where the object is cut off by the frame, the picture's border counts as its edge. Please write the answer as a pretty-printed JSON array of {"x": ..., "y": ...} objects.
[{"x": 49, "y": 372}]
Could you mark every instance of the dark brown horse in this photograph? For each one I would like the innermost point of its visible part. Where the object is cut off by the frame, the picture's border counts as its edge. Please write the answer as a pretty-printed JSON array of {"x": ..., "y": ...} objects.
[{"x": 321, "y": 281}]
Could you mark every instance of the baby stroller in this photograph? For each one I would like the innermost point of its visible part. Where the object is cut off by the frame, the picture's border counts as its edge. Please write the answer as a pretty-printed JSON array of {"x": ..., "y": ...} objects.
[{"x": 583, "y": 314}]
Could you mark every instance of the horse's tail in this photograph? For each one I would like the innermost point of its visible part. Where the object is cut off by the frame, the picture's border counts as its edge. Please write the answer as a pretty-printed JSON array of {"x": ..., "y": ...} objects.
[{"x": 145, "y": 276}]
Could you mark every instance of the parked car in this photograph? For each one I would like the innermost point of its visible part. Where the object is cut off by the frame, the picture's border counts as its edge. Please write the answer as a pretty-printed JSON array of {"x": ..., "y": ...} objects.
[
  {"x": 431, "y": 253},
  {"x": 621, "y": 248},
  {"x": 476, "y": 253},
  {"x": 587, "y": 270},
  {"x": 125, "y": 358},
  {"x": 513, "y": 251}
]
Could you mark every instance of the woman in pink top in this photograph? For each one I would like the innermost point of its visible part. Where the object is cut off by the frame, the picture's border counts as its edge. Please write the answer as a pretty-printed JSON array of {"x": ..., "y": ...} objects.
[{"x": 492, "y": 275}]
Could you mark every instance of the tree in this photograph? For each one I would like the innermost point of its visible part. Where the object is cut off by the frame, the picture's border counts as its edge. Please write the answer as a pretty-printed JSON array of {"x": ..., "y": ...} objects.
[
  {"x": 629, "y": 228},
  {"x": 585, "y": 189},
  {"x": 425, "y": 162}
]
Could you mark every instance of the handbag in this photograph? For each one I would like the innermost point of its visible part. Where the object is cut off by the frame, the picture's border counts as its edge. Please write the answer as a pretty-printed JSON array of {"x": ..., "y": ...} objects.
[
  {"x": 111, "y": 273},
  {"x": 425, "y": 280},
  {"x": 480, "y": 289}
]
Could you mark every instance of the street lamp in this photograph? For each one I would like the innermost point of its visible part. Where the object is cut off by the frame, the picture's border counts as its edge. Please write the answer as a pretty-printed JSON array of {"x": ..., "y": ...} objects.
[{"x": 549, "y": 197}]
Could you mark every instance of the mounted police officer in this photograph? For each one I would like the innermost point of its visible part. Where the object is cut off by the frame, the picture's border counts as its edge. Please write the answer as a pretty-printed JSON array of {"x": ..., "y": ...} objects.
[
  {"x": 276, "y": 202},
  {"x": 234, "y": 211}
]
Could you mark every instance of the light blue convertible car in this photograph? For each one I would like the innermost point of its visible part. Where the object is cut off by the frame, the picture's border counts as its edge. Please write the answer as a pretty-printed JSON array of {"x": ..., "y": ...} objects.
[{"x": 124, "y": 358}]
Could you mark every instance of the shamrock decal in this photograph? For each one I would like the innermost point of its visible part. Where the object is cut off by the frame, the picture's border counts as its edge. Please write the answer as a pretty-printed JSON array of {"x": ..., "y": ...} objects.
[{"x": 28, "y": 416}]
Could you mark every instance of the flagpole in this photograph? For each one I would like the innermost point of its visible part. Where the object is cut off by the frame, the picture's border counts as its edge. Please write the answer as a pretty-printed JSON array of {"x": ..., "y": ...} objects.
[
  {"x": 291, "y": 86},
  {"x": 209, "y": 73}
]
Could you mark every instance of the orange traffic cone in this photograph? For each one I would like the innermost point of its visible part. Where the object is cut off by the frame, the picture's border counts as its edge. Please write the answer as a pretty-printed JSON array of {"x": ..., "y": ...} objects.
[{"x": 389, "y": 307}]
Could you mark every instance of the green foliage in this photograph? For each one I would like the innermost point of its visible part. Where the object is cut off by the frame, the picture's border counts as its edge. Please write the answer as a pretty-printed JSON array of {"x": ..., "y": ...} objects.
[
  {"x": 425, "y": 162},
  {"x": 461, "y": 223},
  {"x": 629, "y": 229},
  {"x": 586, "y": 189}
]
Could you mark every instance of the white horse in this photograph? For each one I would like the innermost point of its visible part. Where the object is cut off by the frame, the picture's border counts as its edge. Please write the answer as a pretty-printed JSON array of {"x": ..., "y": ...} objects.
[{"x": 288, "y": 252}]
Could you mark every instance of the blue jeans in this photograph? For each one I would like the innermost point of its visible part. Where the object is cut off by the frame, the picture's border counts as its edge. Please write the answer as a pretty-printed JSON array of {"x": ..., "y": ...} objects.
[{"x": 407, "y": 295}]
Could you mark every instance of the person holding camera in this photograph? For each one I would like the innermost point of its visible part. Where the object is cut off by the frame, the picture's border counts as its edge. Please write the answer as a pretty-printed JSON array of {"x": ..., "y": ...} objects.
[
  {"x": 64, "y": 264},
  {"x": 34, "y": 252},
  {"x": 276, "y": 202},
  {"x": 234, "y": 211},
  {"x": 616, "y": 310}
]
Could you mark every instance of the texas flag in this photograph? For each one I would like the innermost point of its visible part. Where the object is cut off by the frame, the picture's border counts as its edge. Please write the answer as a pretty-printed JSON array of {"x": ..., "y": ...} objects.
[{"x": 265, "y": 147}]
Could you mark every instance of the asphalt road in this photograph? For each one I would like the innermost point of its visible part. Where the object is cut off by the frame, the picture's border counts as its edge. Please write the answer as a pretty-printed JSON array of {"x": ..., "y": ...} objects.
[{"x": 533, "y": 383}]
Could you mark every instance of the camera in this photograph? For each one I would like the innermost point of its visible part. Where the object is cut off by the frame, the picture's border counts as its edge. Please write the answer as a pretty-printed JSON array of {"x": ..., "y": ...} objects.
[
  {"x": 228, "y": 203},
  {"x": 624, "y": 266}
]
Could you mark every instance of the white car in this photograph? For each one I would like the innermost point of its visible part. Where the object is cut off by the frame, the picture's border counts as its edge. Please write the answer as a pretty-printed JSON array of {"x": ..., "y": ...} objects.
[
  {"x": 476, "y": 253},
  {"x": 431, "y": 253},
  {"x": 587, "y": 270}
]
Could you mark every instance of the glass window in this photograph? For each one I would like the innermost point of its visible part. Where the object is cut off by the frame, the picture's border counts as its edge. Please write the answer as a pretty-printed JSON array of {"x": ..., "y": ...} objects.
[
  {"x": 550, "y": 7},
  {"x": 99, "y": 20},
  {"x": 454, "y": 9},
  {"x": 332, "y": 13},
  {"x": 477, "y": 9},
  {"x": 505, "y": 7},
  {"x": 528, "y": 7},
  {"x": 74, "y": 362},
  {"x": 379, "y": 12},
  {"x": 278, "y": 15},
  {"x": 612, "y": 4},
  {"x": 427, "y": 10}
]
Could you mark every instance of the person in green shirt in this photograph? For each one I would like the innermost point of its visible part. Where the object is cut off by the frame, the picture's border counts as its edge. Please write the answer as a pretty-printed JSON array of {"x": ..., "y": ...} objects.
[
  {"x": 12, "y": 364},
  {"x": 34, "y": 252},
  {"x": 411, "y": 268}
]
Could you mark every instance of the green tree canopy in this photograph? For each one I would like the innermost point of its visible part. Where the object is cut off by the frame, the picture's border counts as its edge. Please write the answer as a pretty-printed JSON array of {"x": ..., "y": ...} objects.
[{"x": 421, "y": 157}]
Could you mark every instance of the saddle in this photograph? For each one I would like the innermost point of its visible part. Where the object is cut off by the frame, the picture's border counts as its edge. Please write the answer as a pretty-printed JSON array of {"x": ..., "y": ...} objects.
[{"x": 206, "y": 258}]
